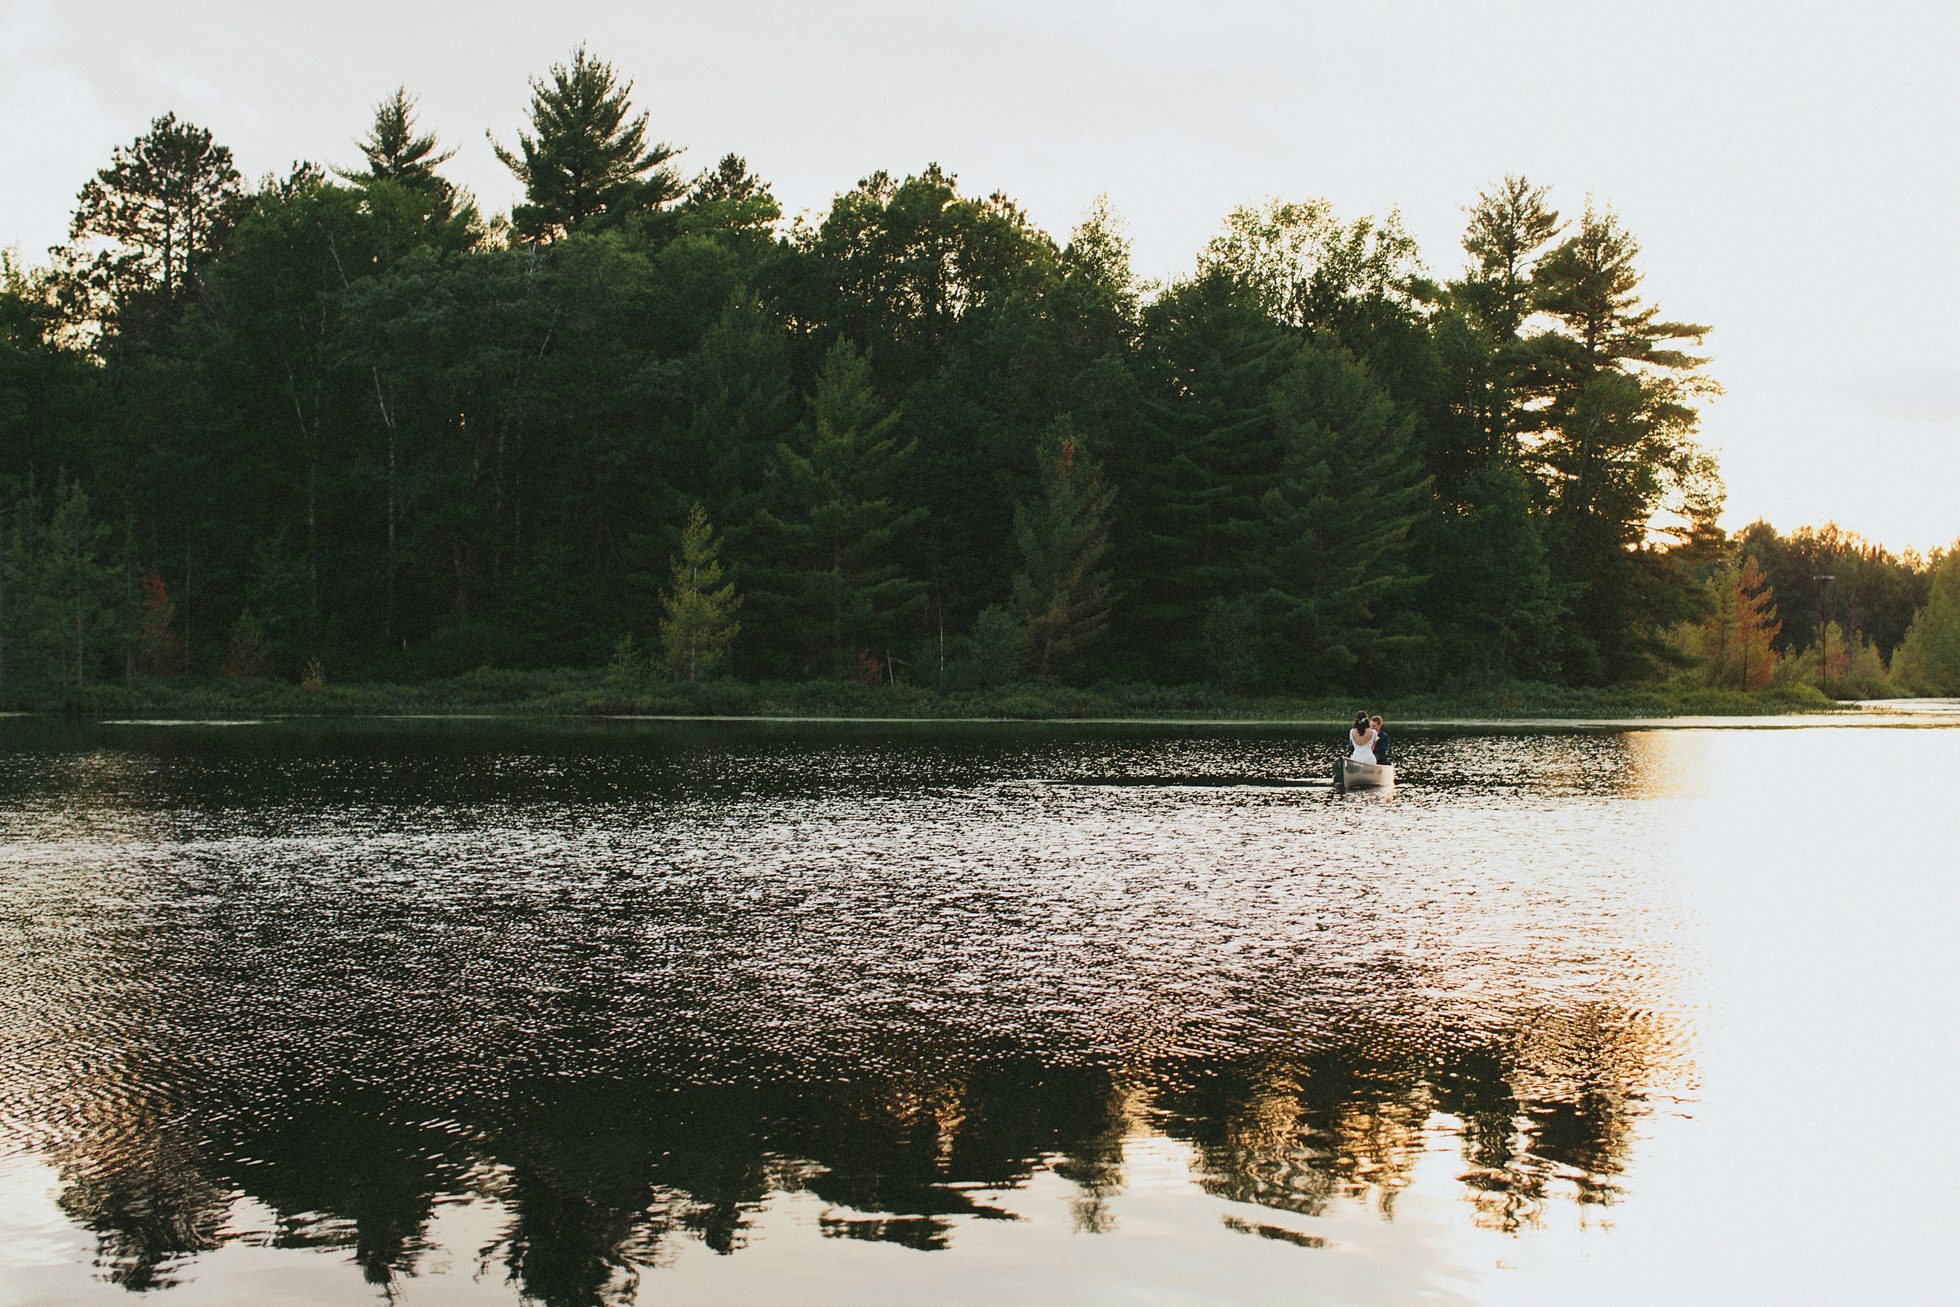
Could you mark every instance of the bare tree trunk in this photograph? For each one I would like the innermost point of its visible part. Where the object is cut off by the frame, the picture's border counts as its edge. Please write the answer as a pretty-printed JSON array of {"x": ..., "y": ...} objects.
[{"x": 388, "y": 568}]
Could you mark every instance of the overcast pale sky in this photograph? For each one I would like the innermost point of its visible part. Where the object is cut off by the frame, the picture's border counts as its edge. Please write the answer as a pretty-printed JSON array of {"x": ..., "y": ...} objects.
[{"x": 1789, "y": 169}]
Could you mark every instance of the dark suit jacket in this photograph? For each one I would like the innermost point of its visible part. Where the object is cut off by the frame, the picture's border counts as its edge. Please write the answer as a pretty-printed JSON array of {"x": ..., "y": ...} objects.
[{"x": 1381, "y": 746}]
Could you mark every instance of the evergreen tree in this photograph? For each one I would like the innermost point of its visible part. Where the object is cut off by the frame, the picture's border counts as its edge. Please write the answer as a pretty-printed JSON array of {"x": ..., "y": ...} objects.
[
  {"x": 46, "y": 383},
  {"x": 698, "y": 623},
  {"x": 1615, "y": 444},
  {"x": 1489, "y": 593},
  {"x": 245, "y": 653},
  {"x": 831, "y": 587},
  {"x": 743, "y": 404},
  {"x": 1509, "y": 226},
  {"x": 401, "y": 191},
  {"x": 1328, "y": 561},
  {"x": 61, "y": 591},
  {"x": 1488, "y": 364},
  {"x": 1617, "y": 462},
  {"x": 1194, "y": 476},
  {"x": 1928, "y": 660},
  {"x": 733, "y": 205},
  {"x": 146, "y": 226},
  {"x": 397, "y": 153},
  {"x": 586, "y": 162},
  {"x": 1713, "y": 638},
  {"x": 992, "y": 653},
  {"x": 1062, "y": 593}
]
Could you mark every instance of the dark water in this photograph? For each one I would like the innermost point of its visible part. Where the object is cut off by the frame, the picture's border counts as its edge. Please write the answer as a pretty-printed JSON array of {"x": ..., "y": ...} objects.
[{"x": 461, "y": 1011}]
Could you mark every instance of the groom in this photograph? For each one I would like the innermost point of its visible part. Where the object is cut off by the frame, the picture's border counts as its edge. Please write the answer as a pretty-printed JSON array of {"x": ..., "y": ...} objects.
[{"x": 1381, "y": 739}]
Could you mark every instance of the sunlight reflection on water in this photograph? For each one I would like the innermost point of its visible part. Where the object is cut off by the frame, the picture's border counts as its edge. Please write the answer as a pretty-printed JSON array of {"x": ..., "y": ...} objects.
[{"x": 558, "y": 1010}]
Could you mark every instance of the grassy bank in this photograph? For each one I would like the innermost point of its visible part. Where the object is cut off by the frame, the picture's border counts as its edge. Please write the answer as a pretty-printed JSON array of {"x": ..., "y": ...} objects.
[{"x": 580, "y": 693}]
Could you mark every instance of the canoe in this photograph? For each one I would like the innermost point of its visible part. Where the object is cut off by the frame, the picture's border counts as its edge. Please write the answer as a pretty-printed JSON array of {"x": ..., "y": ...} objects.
[{"x": 1352, "y": 775}]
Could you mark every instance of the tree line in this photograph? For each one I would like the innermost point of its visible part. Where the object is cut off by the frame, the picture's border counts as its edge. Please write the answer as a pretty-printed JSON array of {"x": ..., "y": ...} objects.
[{"x": 345, "y": 421}]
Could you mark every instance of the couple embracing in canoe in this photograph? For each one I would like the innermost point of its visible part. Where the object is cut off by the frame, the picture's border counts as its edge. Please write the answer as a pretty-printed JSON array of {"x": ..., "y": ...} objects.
[{"x": 1369, "y": 738}]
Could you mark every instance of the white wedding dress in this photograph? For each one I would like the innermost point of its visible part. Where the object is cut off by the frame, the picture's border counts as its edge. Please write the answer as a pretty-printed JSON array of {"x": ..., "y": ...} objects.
[{"x": 1364, "y": 747}]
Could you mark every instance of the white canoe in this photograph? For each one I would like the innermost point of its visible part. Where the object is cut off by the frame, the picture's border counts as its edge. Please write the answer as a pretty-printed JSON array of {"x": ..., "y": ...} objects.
[{"x": 1352, "y": 775}]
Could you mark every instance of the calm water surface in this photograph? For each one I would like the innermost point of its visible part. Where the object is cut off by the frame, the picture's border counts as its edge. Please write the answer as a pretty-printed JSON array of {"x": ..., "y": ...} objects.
[{"x": 451, "y": 1012}]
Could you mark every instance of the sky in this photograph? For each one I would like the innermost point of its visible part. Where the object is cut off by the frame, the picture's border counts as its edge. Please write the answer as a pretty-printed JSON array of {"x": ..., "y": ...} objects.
[{"x": 1788, "y": 169}]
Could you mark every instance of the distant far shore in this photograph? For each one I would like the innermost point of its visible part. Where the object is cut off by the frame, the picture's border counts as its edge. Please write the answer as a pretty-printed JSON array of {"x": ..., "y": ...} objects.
[{"x": 575, "y": 694}]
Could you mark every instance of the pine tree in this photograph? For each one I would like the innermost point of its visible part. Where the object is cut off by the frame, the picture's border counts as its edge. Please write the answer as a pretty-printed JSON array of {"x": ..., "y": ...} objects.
[
  {"x": 1062, "y": 593},
  {"x": 585, "y": 163},
  {"x": 1509, "y": 227},
  {"x": 743, "y": 406},
  {"x": 698, "y": 613},
  {"x": 1489, "y": 592},
  {"x": 830, "y": 585},
  {"x": 146, "y": 226},
  {"x": 1193, "y": 477},
  {"x": 1752, "y": 654},
  {"x": 245, "y": 653},
  {"x": 1928, "y": 660},
  {"x": 1328, "y": 563},
  {"x": 1613, "y": 442},
  {"x": 1713, "y": 638},
  {"x": 732, "y": 204},
  {"x": 410, "y": 203},
  {"x": 61, "y": 589},
  {"x": 396, "y": 152}
]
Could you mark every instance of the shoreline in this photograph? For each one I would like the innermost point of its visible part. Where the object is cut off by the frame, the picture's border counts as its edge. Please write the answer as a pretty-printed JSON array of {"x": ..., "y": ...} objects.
[
  {"x": 567, "y": 695},
  {"x": 1936, "y": 714}
]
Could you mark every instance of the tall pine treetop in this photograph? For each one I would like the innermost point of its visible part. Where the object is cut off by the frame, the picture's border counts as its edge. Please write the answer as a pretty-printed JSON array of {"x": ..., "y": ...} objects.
[
  {"x": 585, "y": 163},
  {"x": 1589, "y": 283},
  {"x": 146, "y": 225},
  {"x": 396, "y": 152},
  {"x": 1509, "y": 225}
]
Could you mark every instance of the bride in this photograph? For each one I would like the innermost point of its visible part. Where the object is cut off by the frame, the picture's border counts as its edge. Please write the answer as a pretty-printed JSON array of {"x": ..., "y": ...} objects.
[{"x": 1362, "y": 736}]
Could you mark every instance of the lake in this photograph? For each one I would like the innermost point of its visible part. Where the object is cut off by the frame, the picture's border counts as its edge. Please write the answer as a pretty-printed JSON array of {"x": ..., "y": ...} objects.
[{"x": 604, "y": 1012}]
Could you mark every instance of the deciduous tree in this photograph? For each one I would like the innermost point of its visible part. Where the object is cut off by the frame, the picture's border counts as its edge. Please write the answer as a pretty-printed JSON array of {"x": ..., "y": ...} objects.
[{"x": 159, "y": 650}]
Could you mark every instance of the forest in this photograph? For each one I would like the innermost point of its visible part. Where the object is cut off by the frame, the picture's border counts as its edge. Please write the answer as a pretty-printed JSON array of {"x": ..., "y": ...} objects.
[{"x": 345, "y": 426}]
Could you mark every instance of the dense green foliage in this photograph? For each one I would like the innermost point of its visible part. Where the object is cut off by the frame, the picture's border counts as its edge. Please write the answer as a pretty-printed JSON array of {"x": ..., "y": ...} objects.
[
  {"x": 345, "y": 424},
  {"x": 697, "y": 614},
  {"x": 1928, "y": 659}
]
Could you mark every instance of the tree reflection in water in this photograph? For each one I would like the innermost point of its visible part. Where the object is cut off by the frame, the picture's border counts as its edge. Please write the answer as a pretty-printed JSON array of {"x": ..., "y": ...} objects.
[{"x": 601, "y": 1174}]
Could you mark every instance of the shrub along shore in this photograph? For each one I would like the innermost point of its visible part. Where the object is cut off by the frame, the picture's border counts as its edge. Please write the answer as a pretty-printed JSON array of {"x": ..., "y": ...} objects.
[{"x": 570, "y": 693}]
